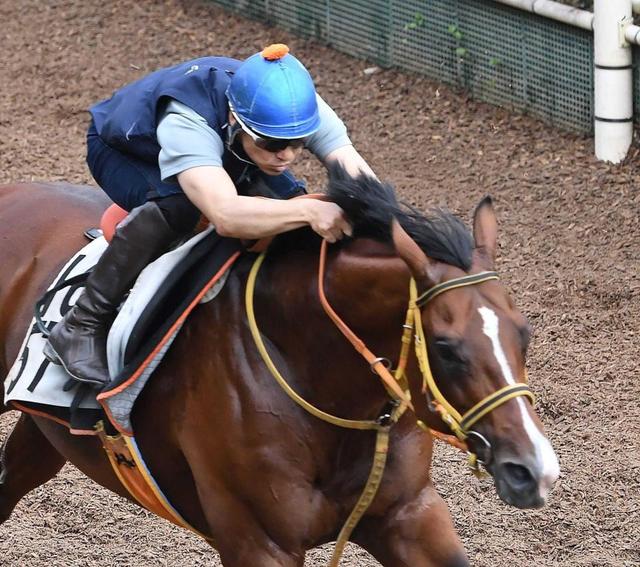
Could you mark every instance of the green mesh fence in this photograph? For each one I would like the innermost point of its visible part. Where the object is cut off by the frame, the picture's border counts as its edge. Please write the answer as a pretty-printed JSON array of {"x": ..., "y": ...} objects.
[{"x": 499, "y": 54}]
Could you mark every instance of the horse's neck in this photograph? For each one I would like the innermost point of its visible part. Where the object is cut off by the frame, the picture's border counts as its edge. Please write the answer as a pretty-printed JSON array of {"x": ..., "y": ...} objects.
[{"x": 367, "y": 286}]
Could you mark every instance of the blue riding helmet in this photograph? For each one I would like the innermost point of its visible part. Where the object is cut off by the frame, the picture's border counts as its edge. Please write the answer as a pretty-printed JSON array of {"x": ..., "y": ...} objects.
[{"x": 273, "y": 95}]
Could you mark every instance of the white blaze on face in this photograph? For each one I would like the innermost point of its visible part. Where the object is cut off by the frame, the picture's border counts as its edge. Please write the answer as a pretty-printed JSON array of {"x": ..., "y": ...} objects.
[{"x": 545, "y": 456}]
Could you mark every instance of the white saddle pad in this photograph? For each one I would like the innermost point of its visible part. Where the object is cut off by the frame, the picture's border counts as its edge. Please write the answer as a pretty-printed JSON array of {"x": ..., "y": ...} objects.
[{"x": 33, "y": 378}]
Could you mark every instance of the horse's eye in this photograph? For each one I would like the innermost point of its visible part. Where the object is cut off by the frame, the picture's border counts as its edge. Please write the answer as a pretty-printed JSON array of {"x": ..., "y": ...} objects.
[
  {"x": 525, "y": 337},
  {"x": 449, "y": 352}
]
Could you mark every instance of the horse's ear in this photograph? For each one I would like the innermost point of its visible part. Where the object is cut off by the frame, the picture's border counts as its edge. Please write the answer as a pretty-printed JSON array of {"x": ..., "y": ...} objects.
[
  {"x": 423, "y": 269},
  {"x": 485, "y": 229}
]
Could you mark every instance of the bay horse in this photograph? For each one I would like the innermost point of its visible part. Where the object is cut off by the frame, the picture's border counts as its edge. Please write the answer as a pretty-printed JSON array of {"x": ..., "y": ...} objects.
[{"x": 262, "y": 478}]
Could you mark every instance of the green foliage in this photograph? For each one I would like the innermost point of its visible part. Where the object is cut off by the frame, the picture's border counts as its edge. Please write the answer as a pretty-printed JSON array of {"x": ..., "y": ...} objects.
[
  {"x": 417, "y": 22},
  {"x": 455, "y": 32},
  {"x": 461, "y": 52}
]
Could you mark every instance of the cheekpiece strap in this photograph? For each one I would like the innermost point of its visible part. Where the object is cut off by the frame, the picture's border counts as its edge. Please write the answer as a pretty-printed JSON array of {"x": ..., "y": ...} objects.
[{"x": 452, "y": 284}]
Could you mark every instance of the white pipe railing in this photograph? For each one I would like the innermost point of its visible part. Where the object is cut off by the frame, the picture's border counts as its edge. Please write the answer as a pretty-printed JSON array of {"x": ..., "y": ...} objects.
[
  {"x": 614, "y": 31},
  {"x": 632, "y": 33},
  {"x": 572, "y": 16},
  {"x": 555, "y": 11},
  {"x": 612, "y": 79}
]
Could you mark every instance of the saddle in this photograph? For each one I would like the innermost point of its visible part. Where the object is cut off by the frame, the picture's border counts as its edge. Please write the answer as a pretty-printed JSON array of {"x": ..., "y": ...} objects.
[{"x": 146, "y": 325}]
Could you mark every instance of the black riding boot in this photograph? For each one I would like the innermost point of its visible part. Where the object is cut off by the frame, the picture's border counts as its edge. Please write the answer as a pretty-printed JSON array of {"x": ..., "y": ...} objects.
[{"x": 78, "y": 341}]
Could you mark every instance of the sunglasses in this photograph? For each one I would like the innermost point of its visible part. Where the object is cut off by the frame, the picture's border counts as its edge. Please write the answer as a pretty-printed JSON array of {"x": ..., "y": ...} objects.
[{"x": 273, "y": 145}]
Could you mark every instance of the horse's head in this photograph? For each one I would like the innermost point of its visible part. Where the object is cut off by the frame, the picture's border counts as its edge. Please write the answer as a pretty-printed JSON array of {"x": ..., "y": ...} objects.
[
  {"x": 477, "y": 341},
  {"x": 474, "y": 375}
]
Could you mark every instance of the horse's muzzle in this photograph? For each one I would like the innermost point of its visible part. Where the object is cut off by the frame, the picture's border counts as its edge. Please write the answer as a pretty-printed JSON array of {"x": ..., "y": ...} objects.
[{"x": 520, "y": 484}]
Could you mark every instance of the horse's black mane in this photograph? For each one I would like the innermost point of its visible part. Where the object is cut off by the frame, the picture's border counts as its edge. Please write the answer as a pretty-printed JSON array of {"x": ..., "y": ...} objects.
[{"x": 371, "y": 205}]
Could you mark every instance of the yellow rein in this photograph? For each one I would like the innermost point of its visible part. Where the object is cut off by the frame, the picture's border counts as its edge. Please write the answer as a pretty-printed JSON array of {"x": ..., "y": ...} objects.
[
  {"x": 396, "y": 385},
  {"x": 381, "y": 426},
  {"x": 255, "y": 332}
]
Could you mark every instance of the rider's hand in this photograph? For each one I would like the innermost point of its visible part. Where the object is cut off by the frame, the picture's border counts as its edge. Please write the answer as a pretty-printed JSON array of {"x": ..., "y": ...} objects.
[{"x": 328, "y": 220}]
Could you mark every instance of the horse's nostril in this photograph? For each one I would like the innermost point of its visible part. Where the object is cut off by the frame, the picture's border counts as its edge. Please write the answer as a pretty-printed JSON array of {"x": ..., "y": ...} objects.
[
  {"x": 518, "y": 475},
  {"x": 517, "y": 485}
]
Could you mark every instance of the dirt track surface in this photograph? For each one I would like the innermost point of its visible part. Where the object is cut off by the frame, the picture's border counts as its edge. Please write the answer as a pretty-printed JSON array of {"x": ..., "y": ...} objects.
[{"x": 570, "y": 252}]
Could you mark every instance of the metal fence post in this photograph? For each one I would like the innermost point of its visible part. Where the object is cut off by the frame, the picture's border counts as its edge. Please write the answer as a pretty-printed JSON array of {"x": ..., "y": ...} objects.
[{"x": 613, "y": 80}]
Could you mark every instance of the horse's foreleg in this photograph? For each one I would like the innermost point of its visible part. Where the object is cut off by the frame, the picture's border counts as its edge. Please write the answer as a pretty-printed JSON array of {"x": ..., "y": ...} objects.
[
  {"x": 241, "y": 540},
  {"x": 244, "y": 542},
  {"x": 417, "y": 533},
  {"x": 27, "y": 460}
]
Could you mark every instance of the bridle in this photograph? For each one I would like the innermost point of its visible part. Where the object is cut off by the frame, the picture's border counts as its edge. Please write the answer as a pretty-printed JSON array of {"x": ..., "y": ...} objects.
[
  {"x": 395, "y": 382},
  {"x": 459, "y": 424}
]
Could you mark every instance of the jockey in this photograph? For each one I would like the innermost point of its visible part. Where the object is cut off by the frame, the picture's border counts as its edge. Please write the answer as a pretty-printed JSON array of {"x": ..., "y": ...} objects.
[{"x": 202, "y": 137}]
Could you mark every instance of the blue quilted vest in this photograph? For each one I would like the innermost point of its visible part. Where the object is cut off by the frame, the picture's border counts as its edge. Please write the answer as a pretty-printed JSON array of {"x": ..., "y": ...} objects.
[{"x": 128, "y": 120}]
